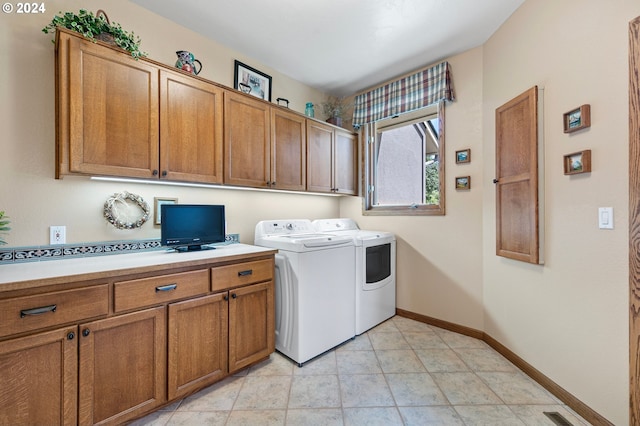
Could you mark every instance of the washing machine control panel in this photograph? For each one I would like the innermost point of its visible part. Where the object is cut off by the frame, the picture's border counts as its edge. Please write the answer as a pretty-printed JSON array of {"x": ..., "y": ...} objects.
[{"x": 283, "y": 227}]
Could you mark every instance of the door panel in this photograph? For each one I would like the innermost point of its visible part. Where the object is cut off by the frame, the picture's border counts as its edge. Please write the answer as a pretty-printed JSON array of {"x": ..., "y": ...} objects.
[
  {"x": 517, "y": 178},
  {"x": 113, "y": 112},
  {"x": 246, "y": 141},
  {"x": 190, "y": 129},
  {"x": 288, "y": 151}
]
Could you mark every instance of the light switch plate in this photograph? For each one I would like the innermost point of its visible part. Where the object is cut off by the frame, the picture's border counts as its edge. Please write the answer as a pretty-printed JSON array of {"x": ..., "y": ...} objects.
[{"x": 605, "y": 217}]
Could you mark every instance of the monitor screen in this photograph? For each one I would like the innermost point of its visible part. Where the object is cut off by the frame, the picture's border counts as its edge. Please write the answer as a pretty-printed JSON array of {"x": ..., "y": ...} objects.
[{"x": 191, "y": 226}]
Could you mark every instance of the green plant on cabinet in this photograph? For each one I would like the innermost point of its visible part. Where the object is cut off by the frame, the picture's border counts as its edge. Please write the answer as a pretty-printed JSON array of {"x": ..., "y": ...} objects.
[
  {"x": 3, "y": 226},
  {"x": 96, "y": 27}
]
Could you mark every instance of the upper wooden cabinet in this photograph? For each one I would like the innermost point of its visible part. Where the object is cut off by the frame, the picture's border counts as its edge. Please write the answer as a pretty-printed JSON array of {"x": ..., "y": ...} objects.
[
  {"x": 121, "y": 117},
  {"x": 190, "y": 129},
  {"x": 331, "y": 159},
  {"x": 116, "y": 116},
  {"x": 107, "y": 111},
  {"x": 288, "y": 150},
  {"x": 264, "y": 145},
  {"x": 246, "y": 141}
]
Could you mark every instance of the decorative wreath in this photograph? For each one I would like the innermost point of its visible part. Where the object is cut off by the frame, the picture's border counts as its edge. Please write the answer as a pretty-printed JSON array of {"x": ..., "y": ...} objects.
[{"x": 126, "y": 211}]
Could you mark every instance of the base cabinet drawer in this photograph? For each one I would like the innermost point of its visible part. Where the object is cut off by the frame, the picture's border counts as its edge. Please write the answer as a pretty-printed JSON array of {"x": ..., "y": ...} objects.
[
  {"x": 161, "y": 289},
  {"x": 239, "y": 274},
  {"x": 21, "y": 314},
  {"x": 38, "y": 383}
]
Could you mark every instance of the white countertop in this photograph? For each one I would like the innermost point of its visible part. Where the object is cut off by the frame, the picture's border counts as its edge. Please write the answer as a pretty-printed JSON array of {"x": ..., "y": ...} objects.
[{"x": 96, "y": 266}]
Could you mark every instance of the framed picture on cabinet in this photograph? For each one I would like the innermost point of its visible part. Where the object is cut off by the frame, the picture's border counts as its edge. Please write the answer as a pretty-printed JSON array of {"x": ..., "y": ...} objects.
[
  {"x": 251, "y": 81},
  {"x": 463, "y": 183},
  {"x": 463, "y": 156},
  {"x": 158, "y": 202},
  {"x": 577, "y": 119}
]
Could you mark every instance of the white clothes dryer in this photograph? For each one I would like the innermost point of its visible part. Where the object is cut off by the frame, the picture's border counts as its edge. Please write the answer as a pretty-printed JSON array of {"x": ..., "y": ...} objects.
[
  {"x": 315, "y": 302},
  {"x": 375, "y": 270}
]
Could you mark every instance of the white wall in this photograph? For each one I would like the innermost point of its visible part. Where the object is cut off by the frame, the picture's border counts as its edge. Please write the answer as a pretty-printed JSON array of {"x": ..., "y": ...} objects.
[
  {"x": 439, "y": 258},
  {"x": 568, "y": 318},
  {"x": 31, "y": 196}
]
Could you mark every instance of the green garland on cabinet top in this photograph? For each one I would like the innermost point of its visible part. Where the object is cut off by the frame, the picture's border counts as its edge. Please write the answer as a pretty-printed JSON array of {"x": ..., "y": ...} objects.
[{"x": 97, "y": 27}]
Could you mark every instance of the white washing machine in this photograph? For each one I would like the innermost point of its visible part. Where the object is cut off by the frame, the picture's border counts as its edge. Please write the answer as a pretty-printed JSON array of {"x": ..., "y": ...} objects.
[
  {"x": 375, "y": 270},
  {"x": 315, "y": 302}
]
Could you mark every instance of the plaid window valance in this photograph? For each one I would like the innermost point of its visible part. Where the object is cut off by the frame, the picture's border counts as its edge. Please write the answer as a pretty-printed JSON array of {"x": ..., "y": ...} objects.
[{"x": 418, "y": 90}]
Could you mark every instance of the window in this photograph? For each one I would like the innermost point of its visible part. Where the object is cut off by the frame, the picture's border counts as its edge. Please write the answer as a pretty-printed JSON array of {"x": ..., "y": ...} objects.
[{"x": 404, "y": 161}]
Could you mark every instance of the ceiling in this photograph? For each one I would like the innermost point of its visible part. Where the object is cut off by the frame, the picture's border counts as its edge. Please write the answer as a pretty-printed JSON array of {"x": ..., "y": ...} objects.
[{"x": 341, "y": 46}]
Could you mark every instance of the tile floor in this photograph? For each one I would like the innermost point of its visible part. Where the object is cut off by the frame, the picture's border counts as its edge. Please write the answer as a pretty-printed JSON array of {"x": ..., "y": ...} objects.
[{"x": 402, "y": 372}]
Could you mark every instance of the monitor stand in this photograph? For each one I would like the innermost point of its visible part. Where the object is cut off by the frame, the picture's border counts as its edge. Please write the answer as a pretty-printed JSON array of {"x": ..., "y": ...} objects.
[{"x": 195, "y": 247}]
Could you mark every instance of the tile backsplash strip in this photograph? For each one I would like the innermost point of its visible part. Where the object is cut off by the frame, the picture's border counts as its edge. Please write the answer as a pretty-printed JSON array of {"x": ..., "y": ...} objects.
[{"x": 67, "y": 251}]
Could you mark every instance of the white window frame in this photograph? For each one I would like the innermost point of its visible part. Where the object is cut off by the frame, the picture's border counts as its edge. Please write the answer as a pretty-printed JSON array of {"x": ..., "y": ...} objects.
[{"x": 369, "y": 151}]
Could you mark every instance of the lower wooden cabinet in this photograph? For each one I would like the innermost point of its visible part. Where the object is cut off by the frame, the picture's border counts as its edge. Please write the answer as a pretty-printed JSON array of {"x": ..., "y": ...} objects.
[
  {"x": 251, "y": 324},
  {"x": 38, "y": 379},
  {"x": 122, "y": 370},
  {"x": 109, "y": 366},
  {"x": 197, "y": 343}
]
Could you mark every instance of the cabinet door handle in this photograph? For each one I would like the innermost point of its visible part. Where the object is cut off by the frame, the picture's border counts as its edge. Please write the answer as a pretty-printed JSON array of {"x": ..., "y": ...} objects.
[
  {"x": 167, "y": 287},
  {"x": 86, "y": 332},
  {"x": 71, "y": 335},
  {"x": 155, "y": 172},
  {"x": 233, "y": 295},
  {"x": 164, "y": 173},
  {"x": 226, "y": 297},
  {"x": 245, "y": 273},
  {"x": 38, "y": 311}
]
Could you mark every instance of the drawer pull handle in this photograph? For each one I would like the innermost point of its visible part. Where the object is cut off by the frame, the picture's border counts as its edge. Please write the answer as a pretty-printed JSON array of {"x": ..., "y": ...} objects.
[
  {"x": 245, "y": 273},
  {"x": 168, "y": 287},
  {"x": 38, "y": 311}
]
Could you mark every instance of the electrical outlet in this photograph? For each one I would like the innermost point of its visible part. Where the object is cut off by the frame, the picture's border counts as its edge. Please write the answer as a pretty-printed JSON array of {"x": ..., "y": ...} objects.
[{"x": 57, "y": 235}]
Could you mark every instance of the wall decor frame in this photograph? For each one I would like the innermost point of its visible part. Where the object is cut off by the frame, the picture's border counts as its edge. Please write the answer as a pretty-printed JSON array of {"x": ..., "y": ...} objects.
[
  {"x": 158, "y": 201},
  {"x": 463, "y": 183},
  {"x": 463, "y": 156},
  {"x": 577, "y": 162},
  {"x": 577, "y": 119},
  {"x": 249, "y": 80}
]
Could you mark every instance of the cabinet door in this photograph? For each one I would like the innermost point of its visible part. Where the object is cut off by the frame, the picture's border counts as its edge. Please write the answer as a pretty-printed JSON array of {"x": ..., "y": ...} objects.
[
  {"x": 38, "y": 383},
  {"x": 246, "y": 141},
  {"x": 346, "y": 163},
  {"x": 251, "y": 324},
  {"x": 319, "y": 157},
  {"x": 190, "y": 129},
  {"x": 197, "y": 343},
  {"x": 122, "y": 370},
  {"x": 112, "y": 105},
  {"x": 288, "y": 150}
]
